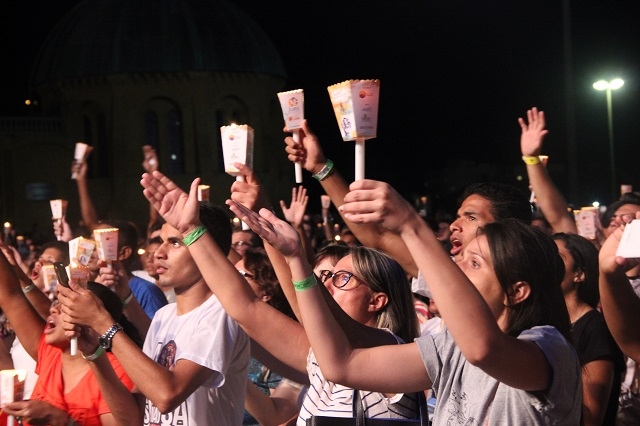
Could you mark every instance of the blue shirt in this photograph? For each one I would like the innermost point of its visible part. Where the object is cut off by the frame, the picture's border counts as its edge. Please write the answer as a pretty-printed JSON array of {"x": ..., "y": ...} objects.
[{"x": 148, "y": 295}]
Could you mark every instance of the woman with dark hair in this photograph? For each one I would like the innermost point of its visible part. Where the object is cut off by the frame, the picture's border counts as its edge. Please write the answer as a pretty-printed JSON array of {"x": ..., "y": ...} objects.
[
  {"x": 504, "y": 357},
  {"x": 89, "y": 388},
  {"x": 256, "y": 268},
  {"x": 600, "y": 357}
]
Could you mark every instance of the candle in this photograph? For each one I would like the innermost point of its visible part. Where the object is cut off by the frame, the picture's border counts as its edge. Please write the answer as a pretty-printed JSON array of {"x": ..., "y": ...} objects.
[
  {"x": 237, "y": 147},
  {"x": 80, "y": 154},
  {"x": 292, "y": 104},
  {"x": 355, "y": 104},
  {"x": 107, "y": 240},
  {"x": 203, "y": 192}
]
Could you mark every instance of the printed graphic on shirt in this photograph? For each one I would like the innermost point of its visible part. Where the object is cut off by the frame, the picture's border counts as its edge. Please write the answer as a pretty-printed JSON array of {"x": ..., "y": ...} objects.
[
  {"x": 459, "y": 410},
  {"x": 152, "y": 415}
]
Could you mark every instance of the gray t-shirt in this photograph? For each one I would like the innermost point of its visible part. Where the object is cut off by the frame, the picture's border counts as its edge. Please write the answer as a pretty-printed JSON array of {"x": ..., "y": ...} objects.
[{"x": 466, "y": 395}]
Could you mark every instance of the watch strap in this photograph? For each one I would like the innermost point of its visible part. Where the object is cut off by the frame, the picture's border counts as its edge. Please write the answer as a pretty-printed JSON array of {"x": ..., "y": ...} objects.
[{"x": 105, "y": 339}]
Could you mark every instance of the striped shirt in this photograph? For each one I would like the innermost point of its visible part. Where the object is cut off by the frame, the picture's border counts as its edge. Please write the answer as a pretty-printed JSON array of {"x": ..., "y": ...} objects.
[{"x": 325, "y": 398}]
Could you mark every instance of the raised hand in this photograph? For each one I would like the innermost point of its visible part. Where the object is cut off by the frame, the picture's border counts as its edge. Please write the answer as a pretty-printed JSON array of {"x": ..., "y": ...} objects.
[
  {"x": 307, "y": 151},
  {"x": 371, "y": 201},
  {"x": 150, "y": 162},
  {"x": 115, "y": 277},
  {"x": 248, "y": 193},
  {"x": 80, "y": 307},
  {"x": 177, "y": 208},
  {"x": 294, "y": 214},
  {"x": 609, "y": 262},
  {"x": 63, "y": 229},
  {"x": 278, "y": 233},
  {"x": 80, "y": 168},
  {"x": 533, "y": 131}
]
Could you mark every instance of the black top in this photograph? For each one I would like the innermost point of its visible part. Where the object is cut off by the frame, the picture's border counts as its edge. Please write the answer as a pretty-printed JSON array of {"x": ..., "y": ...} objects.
[{"x": 593, "y": 341}]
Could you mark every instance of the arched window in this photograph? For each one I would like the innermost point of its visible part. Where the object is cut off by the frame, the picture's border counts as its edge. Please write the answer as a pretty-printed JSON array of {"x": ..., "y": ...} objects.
[
  {"x": 174, "y": 141},
  {"x": 163, "y": 131},
  {"x": 95, "y": 134}
]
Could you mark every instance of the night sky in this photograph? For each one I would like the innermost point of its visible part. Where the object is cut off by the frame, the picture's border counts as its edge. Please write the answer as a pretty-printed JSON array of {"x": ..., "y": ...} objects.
[{"x": 455, "y": 76}]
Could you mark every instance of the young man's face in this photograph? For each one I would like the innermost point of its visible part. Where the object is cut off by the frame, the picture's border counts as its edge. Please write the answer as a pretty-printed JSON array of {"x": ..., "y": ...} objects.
[
  {"x": 474, "y": 213},
  {"x": 174, "y": 265}
]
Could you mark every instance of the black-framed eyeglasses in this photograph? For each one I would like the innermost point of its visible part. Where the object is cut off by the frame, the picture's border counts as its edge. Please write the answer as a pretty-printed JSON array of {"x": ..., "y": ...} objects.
[
  {"x": 340, "y": 279},
  {"x": 242, "y": 243},
  {"x": 245, "y": 274}
]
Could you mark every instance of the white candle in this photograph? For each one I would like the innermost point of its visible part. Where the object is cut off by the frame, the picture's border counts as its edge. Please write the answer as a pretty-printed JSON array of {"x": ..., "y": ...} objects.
[
  {"x": 355, "y": 104},
  {"x": 298, "y": 164},
  {"x": 292, "y": 104},
  {"x": 359, "y": 159}
]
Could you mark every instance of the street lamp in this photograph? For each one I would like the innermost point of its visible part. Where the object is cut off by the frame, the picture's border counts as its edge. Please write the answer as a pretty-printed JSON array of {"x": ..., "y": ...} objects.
[{"x": 608, "y": 86}]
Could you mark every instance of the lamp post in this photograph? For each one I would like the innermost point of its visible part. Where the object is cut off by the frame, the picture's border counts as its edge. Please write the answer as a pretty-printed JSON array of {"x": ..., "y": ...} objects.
[{"x": 608, "y": 86}]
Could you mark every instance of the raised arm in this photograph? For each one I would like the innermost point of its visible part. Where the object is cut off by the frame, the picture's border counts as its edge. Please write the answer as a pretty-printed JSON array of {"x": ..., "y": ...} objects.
[
  {"x": 251, "y": 195},
  {"x": 550, "y": 199},
  {"x": 294, "y": 214},
  {"x": 620, "y": 304},
  {"x": 34, "y": 295},
  {"x": 87, "y": 209},
  {"x": 474, "y": 329},
  {"x": 116, "y": 278},
  {"x": 26, "y": 322},
  {"x": 150, "y": 165},
  {"x": 309, "y": 152},
  {"x": 276, "y": 332}
]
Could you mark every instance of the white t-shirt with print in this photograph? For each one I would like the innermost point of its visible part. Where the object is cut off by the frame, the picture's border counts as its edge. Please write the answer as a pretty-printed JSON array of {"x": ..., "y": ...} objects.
[{"x": 208, "y": 337}]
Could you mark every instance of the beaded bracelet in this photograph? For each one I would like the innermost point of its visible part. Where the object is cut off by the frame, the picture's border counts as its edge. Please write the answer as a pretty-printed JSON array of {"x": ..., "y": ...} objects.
[
  {"x": 324, "y": 171},
  {"x": 194, "y": 235},
  {"x": 531, "y": 160},
  {"x": 305, "y": 284}
]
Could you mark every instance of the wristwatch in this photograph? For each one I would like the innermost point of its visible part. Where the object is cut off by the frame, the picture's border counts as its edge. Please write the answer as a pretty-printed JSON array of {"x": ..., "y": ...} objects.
[{"x": 105, "y": 339}]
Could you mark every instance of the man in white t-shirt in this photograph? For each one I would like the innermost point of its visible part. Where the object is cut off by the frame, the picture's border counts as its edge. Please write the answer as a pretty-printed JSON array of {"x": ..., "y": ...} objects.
[{"x": 193, "y": 366}]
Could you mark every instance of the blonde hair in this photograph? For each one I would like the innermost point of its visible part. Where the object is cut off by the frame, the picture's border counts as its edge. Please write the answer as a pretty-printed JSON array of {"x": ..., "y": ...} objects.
[{"x": 383, "y": 274}]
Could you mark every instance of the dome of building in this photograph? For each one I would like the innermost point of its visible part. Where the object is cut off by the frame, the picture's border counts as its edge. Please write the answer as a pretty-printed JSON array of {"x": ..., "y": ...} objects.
[{"x": 104, "y": 37}]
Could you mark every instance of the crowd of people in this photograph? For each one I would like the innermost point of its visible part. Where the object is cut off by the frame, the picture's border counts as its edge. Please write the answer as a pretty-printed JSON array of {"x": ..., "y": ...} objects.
[{"x": 494, "y": 315}]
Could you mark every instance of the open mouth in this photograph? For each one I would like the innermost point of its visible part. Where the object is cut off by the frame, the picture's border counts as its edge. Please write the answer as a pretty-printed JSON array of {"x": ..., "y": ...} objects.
[
  {"x": 456, "y": 246},
  {"x": 49, "y": 327}
]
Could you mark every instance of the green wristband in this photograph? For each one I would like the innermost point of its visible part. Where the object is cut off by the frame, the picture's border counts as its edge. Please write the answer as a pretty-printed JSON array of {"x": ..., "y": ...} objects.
[
  {"x": 305, "y": 284},
  {"x": 324, "y": 172},
  {"x": 194, "y": 235},
  {"x": 94, "y": 355}
]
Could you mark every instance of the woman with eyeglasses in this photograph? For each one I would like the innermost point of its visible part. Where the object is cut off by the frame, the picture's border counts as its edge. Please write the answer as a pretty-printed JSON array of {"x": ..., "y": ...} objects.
[
  {"x": 367, "y": 286},
  {"x": 89, "y": 388},
  {"x": 505, "y": 356}
]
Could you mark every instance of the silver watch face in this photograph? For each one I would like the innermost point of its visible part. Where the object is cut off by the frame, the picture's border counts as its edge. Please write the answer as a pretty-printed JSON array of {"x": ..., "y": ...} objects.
[
  {"x": 105, "y": 342},
  {"x": 105, "y": 339}
]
